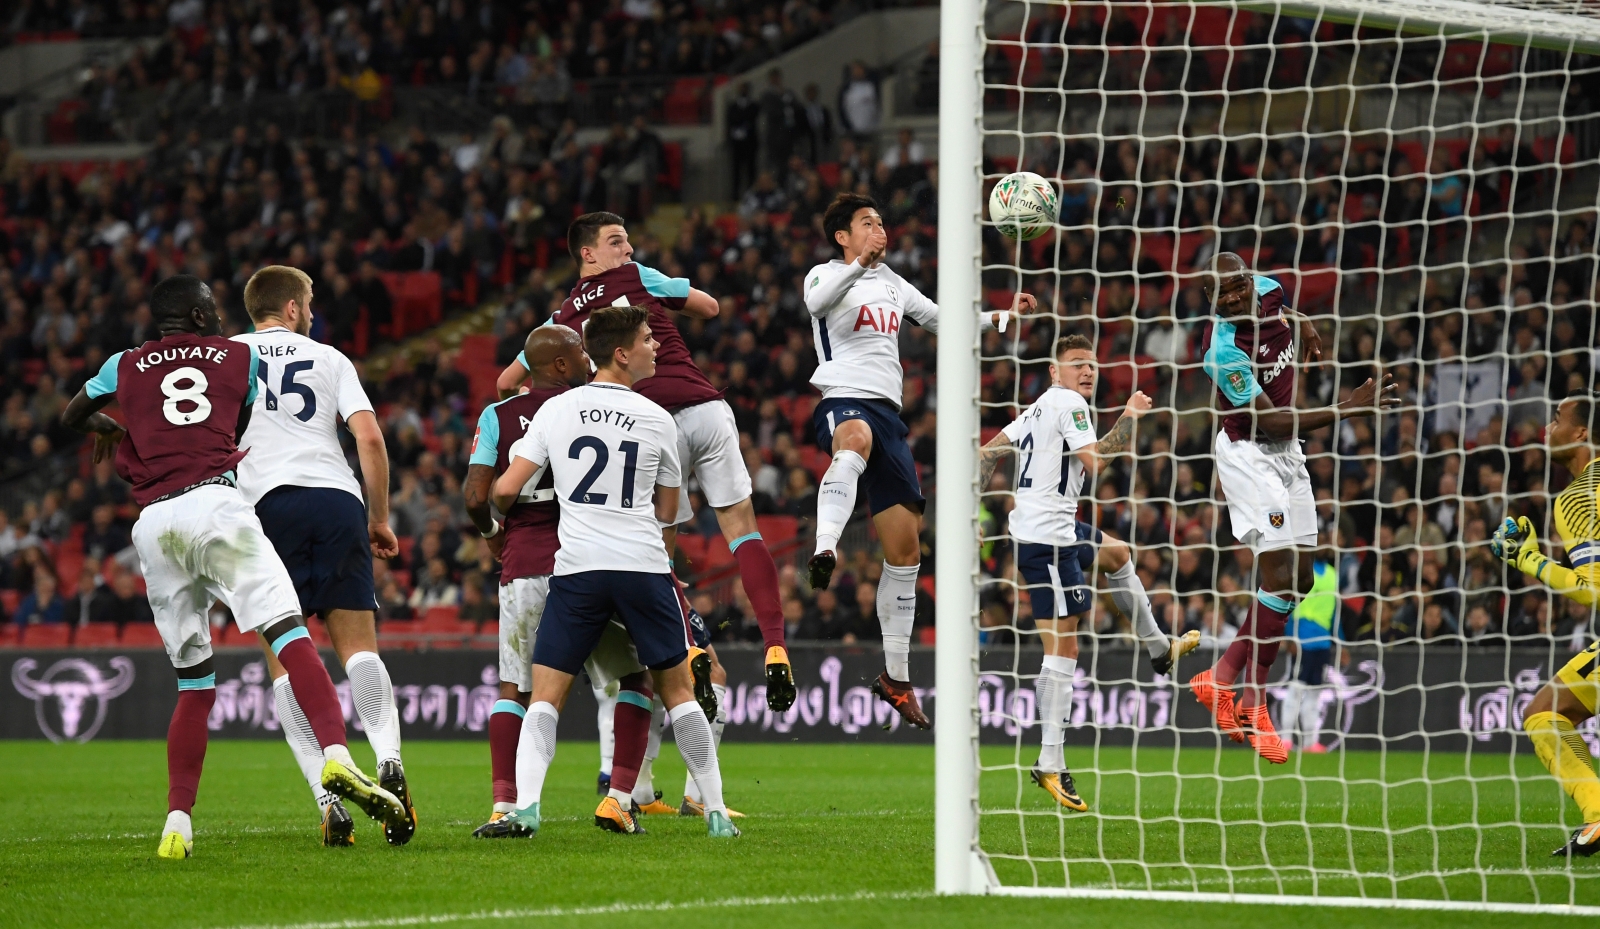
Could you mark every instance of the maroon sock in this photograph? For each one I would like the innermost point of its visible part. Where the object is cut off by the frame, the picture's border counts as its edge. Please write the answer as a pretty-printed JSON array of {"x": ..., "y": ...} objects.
[
  {"x": 760, "y": 577},
  {"x": 186, "y": 746},
  {"x": 313, "y": 690},
  {"x": 631, "y": 723},
  {"x": 505, "y": 729},
  {"x": 1257, "y": 653}
]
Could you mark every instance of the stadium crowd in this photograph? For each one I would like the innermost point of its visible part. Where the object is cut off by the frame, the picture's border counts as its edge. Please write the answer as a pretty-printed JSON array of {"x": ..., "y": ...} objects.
[{"x": 1408, "y": 501}]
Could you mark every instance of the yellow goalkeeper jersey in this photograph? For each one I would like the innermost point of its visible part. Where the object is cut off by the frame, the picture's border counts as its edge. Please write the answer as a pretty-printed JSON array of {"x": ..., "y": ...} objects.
[{"x": 1578, "y": 516}]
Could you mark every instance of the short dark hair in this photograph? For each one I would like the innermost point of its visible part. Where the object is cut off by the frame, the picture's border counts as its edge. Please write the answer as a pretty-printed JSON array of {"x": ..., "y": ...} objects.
[
  {"x": 610, "y": 328},
  {"x": 585, "y": 231},
  {"x": 1585, "y": 408},
  {"x": 1072, "y": 342},
  {"x": 174, "y": 297},
  {"x": 841, "y": 212}
]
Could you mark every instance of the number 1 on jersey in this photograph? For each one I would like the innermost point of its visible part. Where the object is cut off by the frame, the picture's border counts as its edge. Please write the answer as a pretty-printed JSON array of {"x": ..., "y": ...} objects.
[
  {"x": 602, "y": 457},
  {"x": 308, "y": 397}
]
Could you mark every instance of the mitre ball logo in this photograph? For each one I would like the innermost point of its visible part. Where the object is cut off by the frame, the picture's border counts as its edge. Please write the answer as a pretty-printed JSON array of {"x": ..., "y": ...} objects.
[{"x": 71, "y": 697}]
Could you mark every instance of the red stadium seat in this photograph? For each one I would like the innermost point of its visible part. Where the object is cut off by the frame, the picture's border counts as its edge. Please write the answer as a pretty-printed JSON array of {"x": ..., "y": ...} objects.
[
  {"x": 9, "y": 601},
  {"x": 694, "y": 549},
  {"x": 775, "y": 529},
  {"x": 406, "y": 634},
  {"x": 816, "y": 460},
  {"x": 141, "y": 635},
  {"x": 442, "y": 619},
  {"x": 96, "y": 635},
  {"x": 52, "y": 635},
  {"x": 230, "y": 636},
  {"x": 716, "y": 554},
  {"x": 8, "y": 633}
]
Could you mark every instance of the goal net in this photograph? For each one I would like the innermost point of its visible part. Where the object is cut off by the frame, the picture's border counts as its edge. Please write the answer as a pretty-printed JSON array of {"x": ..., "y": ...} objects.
[{"x": 1420, "y": 178}]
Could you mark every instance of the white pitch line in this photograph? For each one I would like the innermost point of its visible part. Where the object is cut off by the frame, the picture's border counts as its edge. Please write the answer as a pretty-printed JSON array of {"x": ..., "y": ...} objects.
[
  {"x": 608, "y": 909},
  {"x": 1365, "y": 903}
]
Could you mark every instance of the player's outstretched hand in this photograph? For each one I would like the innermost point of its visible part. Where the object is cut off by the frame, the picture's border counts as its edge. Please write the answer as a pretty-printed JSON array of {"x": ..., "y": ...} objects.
[
  {"x": 1311, "y": 339},
  {"x": 1138, "y": 405},
  {"x": 105, "y": 444},
  {"x": 384, "y": 544},
  {"x": 1376, "y": 394}
]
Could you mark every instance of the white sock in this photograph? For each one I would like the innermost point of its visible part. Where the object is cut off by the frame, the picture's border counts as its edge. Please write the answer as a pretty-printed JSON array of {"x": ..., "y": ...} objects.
[
  {"x": 535, "y": 751},
  {"x": 1054, "y": 689},
  {"x": 644, "y": 789},
  {"x": 504, "y": 807},
  {"x": 836, "y": 498},
  {"x": 1310, "y": 708},
  {"x": 897, "y": 611},
  {"x": 692, "y": 731},
  {"x": 373, "y": 694},
  {"x": 717, "y": 725},
  {"x": 608, "y": 732},
  {"x": 178, "y": 821},
  {"x": 1291, "y": 714},
  {"x": 1127, "y": 592},
  {"x": 302, "y": 741},
  {"x": 340, "y": 754}
]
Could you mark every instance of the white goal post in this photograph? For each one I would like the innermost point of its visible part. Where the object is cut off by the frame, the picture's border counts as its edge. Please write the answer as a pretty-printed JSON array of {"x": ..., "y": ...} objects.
[{"x": 976, "y": 36}]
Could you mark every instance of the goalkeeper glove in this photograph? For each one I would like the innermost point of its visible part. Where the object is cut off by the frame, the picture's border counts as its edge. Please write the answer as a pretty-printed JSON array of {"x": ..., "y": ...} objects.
[{"x": 1516, "y": 543}]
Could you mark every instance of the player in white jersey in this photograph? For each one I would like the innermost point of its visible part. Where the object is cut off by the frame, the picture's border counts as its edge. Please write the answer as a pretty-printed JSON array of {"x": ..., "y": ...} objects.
[
  {"x": 613, "y": 455},
  {"x": 1056, "y": 447},
  {"x": 857, "y": 307},
  {"x": 310, "y": 506}
]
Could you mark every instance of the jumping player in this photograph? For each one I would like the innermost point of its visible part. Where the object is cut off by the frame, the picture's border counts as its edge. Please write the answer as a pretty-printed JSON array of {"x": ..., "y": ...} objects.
[
  {"x": 526, "y": 545},
  {"x": 1572, "y": 696},
  {"x": 1057, "y": 447},
  {"x": 1250, "y": 356},
  {"x": 613, "y": 457},
  {"x": 310, "y": 506},
  {"x": 857, "y": 306},
  {"x": 708, "y": 438},
  {"x": 186, "y": 400}
]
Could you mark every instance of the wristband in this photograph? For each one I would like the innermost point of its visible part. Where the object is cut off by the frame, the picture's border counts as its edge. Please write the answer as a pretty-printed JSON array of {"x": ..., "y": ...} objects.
[
  {"x": 1005, "y": 317},
  {"x": 492, "y": 532}
]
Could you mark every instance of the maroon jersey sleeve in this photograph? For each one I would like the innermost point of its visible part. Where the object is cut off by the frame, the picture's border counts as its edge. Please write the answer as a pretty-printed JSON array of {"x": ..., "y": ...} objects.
[
  {"x": 531, "y": 528},
  {"x": 678, "y": 381},
  {"x": 180, "y": 399}
]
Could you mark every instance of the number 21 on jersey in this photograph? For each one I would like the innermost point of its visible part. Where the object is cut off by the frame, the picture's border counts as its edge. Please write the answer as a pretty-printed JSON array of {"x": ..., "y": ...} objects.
[{"x": 584, "y": 493}]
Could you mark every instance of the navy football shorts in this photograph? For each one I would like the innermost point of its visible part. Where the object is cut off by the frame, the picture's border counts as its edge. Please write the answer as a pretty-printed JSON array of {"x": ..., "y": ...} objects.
[
  {"x": 580, "y": 605},
  {"x": 321, "y": 537},
  {"x": 1056, "y": 574},
  {"x": 891, "y": 475}
]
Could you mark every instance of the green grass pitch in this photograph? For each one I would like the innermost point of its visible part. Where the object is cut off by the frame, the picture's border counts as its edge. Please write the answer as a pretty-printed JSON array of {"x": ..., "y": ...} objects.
[{"x": 844, "y": 831}]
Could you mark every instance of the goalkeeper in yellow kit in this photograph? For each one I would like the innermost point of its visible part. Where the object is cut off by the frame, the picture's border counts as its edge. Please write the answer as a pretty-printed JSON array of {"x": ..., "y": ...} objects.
[{"x": 1573, "y": 695}]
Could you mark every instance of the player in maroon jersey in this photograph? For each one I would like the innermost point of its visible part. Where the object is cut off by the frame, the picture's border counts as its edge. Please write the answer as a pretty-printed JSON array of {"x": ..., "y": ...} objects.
[
  {"x": 708, "y": 439},
  {"x": 1250, "y": 356},
  {"x": 526, "y": 546},
  {"x": 185, "y": 400}
]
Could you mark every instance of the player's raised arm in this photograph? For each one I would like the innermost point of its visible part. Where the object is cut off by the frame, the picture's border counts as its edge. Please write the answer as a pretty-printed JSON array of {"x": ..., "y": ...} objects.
[
  {"x": 1120, "y": 439},
  {"x": 510, "y": 380}
]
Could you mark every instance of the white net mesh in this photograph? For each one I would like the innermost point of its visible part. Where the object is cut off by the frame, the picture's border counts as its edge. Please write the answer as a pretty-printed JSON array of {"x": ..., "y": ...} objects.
[{"x": 1431, "y": 202}]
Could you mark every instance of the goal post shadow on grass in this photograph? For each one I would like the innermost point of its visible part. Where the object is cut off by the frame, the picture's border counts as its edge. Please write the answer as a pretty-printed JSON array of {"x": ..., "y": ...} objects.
[{"x": 1497, "y": 63}]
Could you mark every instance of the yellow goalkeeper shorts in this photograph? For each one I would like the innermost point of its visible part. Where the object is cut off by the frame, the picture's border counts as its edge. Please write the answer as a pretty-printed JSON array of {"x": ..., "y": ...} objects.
[{"x": 1581, "y": 675}]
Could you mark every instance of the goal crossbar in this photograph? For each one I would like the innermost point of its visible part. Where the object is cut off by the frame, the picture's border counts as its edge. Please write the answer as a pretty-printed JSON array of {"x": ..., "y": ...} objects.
[{"x": 1557, "y": 25}]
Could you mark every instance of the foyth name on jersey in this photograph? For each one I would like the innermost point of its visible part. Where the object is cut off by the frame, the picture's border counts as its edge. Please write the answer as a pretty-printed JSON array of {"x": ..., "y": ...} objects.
[
  {"x": 608, "y": 417},
  {"x": 185, "y": 353}
]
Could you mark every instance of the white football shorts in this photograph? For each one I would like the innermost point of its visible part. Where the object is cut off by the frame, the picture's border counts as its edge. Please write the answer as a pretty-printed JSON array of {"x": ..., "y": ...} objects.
[
  {"x": 204, "y": 546},
  {"x": 1268, "y": 492},
  {"x": 708, "y": 448},
  {"x": 522, "y": 606}
]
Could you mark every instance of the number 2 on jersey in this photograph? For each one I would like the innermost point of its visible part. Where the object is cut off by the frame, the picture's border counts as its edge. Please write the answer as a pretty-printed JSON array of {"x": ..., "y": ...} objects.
[
  {"x": 602, "y": 457},
  {"x": 308, "y": 397}
]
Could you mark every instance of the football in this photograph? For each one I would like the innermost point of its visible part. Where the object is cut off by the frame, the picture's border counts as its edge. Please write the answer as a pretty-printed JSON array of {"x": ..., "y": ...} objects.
[{"x": 1023, "y": 205}]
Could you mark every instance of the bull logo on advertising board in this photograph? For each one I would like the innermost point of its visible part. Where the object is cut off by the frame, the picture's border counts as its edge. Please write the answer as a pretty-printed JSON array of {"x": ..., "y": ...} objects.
[{"x": 71, "y": 697}]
